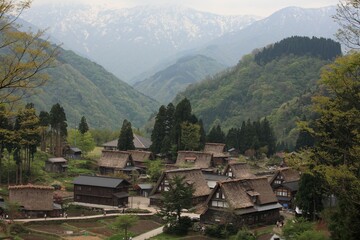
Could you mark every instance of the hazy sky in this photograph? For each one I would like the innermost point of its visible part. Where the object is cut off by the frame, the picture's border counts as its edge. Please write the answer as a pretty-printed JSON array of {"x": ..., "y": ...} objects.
[{"x": 228, "y": 7}]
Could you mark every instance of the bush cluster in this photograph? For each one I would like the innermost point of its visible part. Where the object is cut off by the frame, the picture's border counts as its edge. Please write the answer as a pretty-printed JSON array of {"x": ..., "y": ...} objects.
[
  {"x": 180, "y": 228},
  {"x": 220, "y": 231}
]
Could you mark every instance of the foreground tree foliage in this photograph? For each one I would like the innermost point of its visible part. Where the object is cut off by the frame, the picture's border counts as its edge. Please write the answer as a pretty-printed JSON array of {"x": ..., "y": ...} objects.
[
  {"x": 124, "y": 222},
  {"x": 348, "y": 17},
  {"x": 178, "y": 197},
  {"x": 336, "y": 155},
  {"x": 23, "y": 56}
]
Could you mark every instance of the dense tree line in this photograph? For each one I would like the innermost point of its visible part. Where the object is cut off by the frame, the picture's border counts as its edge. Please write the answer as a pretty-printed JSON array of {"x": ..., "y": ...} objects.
[
  {"x": 257, "y": 135},
  {"x": 322, "y": 48},
  {"x": 22, "y": 132},
  {"x": 176, "y": 128}
]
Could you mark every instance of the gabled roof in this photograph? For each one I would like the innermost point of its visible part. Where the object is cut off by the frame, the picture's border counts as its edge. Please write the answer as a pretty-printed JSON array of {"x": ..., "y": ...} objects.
[
  {"x": 140, "y": 156},
  {"x": 238, "y": 192},
  {"x": 192, "y": 176},
  {"x": 240, "y": 170},
  {"x": 75, "y": 149},
  {"x": 57, "y": 160},
  {"x": 196, "y": 159},
  {"x": 114, "y": 159},
  {"x": 289, "y": 174},
  {"x": 293, "y": 186},
  {"x": 139, "y": 142},
  {"x": 217, "y": 149},
  {"x": 97, "y": 181}
]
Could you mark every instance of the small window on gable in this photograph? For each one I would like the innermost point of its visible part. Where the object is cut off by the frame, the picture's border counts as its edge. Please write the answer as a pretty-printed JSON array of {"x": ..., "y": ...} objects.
[{"x": 190, "y": 159}]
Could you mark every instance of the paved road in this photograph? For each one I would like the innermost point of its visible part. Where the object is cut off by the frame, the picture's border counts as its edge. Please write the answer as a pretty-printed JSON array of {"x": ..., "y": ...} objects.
[{"x": 149, "y": 234}]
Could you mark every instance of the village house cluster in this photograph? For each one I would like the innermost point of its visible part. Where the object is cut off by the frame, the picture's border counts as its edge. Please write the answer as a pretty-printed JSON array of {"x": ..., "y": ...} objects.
[{"x": 225, "y": 189}]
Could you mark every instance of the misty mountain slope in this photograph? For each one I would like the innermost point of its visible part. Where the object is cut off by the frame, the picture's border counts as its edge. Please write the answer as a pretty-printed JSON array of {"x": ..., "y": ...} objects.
[
  {"x": 128, "y": 42},
  {"x": 250, "y": 90},
  {"x": 164, "y": 85},
  {"x": 85, "y": 88},
  {"x": 291, "y": 21}
]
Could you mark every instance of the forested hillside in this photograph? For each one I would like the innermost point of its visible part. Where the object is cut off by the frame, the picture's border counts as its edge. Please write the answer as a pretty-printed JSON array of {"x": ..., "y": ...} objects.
[
  {"x": 164, "y": 85},
  {"x": 84, "y": 88},
  {"x": 250, "y": 90}
]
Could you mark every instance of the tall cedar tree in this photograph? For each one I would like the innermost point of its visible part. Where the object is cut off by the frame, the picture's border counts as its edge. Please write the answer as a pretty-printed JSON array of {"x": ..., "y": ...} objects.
[
  {"x": 169, "y": 126},
  {"x": 5, "y": 133},
  {"x": 126, "y": 138},
  {"x": 202, "y": 135},
  {"x": 216, "y": 135},
  {"x": 58, "y": 129},
  {"x": 83, "y": 126},
  {"x": 232, "y": 139},
  {"x": 158, "y": 133},
  {"x": 182, "y": 114},
  {"x": 44, "y": 118}
]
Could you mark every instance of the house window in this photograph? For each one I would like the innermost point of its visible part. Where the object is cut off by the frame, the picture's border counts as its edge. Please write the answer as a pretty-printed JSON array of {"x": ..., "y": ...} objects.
[
  {"x": 78, "y": 188},
  {"x": 230, "y": 174},
  {"x": 128, "y": 164},
  {"x": 282, "y": 192},
  {"x": 277, "y": 181},
  {"x": 220, "y": 204}
]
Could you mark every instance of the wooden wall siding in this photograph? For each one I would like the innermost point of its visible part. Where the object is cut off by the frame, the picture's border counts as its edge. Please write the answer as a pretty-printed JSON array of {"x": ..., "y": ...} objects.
[{"x": 213, "y": 216}]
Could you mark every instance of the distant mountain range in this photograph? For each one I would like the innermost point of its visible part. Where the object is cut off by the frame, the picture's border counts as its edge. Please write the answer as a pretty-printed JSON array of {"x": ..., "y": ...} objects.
[
  {"x": 129, "y": 42},
  {"x": 164, "y": 85},
  {"x": 85, "y": 88}
]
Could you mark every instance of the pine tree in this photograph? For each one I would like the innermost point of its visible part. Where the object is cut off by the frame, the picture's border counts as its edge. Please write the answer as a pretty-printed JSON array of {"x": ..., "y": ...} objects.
[
  {"x": 182, "y": 114},
  {"x": 126, "y": 138},
  {"x": 83, "y": 126},
  {"x": 232, "y": 139},
  {"x": 216, "y": 135}
]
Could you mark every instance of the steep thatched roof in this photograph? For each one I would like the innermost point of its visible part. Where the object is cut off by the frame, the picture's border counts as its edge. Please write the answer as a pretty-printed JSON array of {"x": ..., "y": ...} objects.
[
  {"x": 239, "y": 192},
  {"x": 289, "y": 175},
  {"x": 217, "y": 149},
  {"x": 32, "y": 197},
  {"x": 191, "y": 176},
  {"x": 195, "y": 159},
  {"x": 140, "y": 156},
  {"x": 239, "y": 170},
  {"x": 114, "y": 159}
]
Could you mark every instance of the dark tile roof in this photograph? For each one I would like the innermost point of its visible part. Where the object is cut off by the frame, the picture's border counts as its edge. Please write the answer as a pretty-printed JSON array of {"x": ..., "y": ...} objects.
[
  {"x": 293, "y": 186},
  {"x": 121, "y": 194},
  {"x": 139, "y": 142},
  {"x": 75, "y": 149},
  {"x": 98, "y": 181}
]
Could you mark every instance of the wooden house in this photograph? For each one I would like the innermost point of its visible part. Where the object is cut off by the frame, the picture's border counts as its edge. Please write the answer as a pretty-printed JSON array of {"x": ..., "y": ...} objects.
[
  {"x": 220, "y": 157},
  {"x": 285, "y": 184},
  {"x": 101, "y": 190},
  {"x": 73, "y": 152},
  {"x": 112, "y": 162},
  {"x": 56, "y": 165},
  {"x": 238, "y": 170},
  {"x": 242, "y": 202},
  {"x": 140, "y": 143},
  {"x": 140, "y": 157},
  {"x": 144, "y": 189},
  {"x": 192, "y": 176},
  {"x": 35, "y": 200},
  {"x": 195, "y": 159}
]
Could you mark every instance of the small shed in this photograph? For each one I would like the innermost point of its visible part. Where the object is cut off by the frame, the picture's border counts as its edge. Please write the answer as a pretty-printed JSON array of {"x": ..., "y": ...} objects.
[
  {"x": 144, "y": 189},
  {"x": 73, "y": 153},
  {"x": 56, "y": 165}
]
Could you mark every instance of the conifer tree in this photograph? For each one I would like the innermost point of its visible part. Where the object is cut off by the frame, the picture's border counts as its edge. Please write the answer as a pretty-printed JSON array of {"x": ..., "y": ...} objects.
[
  {"x": 216, "y": 135},
  {"x": 202, "y": 135},
  {"x": 182, "y": 114},
  {"x": 44, "y": 121},
  {"x": 159, "y": 131},
  {"x": 83, "y": 126},
  {"x": 126, "y": 138},
  {"x": 58, "y": 129}
]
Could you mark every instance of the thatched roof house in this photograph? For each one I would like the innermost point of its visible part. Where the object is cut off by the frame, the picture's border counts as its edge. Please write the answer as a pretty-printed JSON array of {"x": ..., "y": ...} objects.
[
  {"x": 218, "y": 151},
  {"x": 115, "y": 161},
  {"x": 192, "y": 176},
  {"x": 242, "y": 202},
  {"x": 285, "y": 184},
  {"x": 32, "y": 197},
  {"x": 238, "y": 170},
  {"x": 140, "y": 143},
  {"x": 195, "y": 159},
  {"x": 140, "y": 157}
]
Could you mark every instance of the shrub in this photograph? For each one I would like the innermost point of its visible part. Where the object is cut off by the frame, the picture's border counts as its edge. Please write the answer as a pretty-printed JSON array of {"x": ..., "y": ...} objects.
[
  {"x": 220, "y": 231},
  {"x": 180, "y": 228},
  {"x": 17, "y": 228}
]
